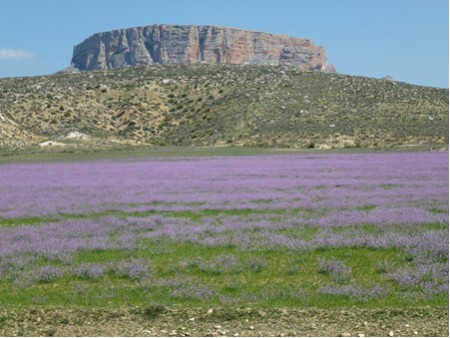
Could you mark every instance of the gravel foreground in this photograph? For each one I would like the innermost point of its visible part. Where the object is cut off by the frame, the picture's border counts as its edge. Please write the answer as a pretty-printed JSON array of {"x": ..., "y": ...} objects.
[{"x": 232, "y": 322}]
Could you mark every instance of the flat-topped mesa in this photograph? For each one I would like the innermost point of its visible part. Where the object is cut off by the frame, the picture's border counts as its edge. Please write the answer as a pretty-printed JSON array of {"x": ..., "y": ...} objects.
[{"x": 168, "y": 44}]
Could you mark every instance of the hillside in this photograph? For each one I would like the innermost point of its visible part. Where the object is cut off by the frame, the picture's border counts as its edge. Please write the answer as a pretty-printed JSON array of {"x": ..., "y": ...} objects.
[{"x": 217, "y": 105}]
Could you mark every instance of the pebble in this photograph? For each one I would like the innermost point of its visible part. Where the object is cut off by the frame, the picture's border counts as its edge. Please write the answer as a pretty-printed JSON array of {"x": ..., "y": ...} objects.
[
  {"x": 252, "y": 327},
  {"x": 366, "y": 323},
  {"x": 261, "y": 313},
  {"x": 415, "y": 332},
  {"x": 210, "y": 311},
  {"x": 391, "y": 333},
  {"x": 345, "y": 334},
  {"x": 192, "y": 319},
  {"x": 360, "y": 334},
  {"x": 218, "y": 327},
  {"x": 406, "y": 325},
  {"x": 236, "y": 335}
]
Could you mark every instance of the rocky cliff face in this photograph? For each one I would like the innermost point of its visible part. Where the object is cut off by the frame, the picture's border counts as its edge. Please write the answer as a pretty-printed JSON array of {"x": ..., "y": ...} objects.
[{"x": 168, "y": 44}]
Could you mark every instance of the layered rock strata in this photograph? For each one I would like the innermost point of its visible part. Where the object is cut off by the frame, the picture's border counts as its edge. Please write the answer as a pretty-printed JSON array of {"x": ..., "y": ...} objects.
[{"x": 169, "y": 44}]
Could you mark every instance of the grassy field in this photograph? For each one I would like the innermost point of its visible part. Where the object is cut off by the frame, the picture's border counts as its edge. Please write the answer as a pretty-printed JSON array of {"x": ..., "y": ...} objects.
[
  {"x": 273, "y": 230},
  {"x": 123, "y": 152}
]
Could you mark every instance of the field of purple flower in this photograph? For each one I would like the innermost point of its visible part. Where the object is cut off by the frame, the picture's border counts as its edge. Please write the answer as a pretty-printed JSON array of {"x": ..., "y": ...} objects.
[{"x": 299, "y": 230}]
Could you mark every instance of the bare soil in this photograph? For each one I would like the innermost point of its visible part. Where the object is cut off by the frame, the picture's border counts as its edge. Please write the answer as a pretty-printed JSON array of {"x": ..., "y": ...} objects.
[{"x": 231, "y": 322}]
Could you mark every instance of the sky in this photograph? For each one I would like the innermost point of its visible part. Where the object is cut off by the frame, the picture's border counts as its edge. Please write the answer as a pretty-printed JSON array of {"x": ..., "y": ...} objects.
[{"x": 405, "y": 39}]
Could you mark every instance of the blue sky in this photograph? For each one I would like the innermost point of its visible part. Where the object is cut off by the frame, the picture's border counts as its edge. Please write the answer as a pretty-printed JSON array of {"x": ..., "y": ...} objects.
[{"x": 407, "y": 39}]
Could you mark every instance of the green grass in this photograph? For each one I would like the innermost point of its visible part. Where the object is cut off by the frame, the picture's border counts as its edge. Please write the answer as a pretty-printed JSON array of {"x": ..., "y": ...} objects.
[
  {"x": 18, "y": 221},
  {"x": 260, "y": 276},
  {"x": 192, "y": 215},
  {"x": 125, "y": 152},
  {"x": 119, "y": 153},
  {"x": 366, "y": 208},
  {"x": 306, "y": 232},
  {"x": 274, "y": 284}
]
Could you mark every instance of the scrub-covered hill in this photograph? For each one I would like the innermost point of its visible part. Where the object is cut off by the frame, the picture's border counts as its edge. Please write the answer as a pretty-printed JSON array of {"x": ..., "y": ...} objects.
[{"x": 216, "y": 105}]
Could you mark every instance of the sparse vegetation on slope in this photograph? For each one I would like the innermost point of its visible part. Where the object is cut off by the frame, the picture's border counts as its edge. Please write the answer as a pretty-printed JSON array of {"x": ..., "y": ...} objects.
[{"x": 205, "y": 105}]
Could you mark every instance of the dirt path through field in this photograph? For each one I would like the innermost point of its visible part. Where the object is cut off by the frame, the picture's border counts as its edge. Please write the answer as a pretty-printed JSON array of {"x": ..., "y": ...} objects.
[{"x": 160, "y": 321}]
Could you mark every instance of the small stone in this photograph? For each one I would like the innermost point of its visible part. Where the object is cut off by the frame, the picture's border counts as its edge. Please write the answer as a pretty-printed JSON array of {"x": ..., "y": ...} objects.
[
  {"x": 192, "y": 319},
  {"x": 365, "y": 323},
  {"x": 345, "y": 334},
  {"x": 284, "y": 312},
  {"x": 210, "y": 312},
  {"x": 262, "y": 313},
  {"x": 360, "y": 334},
  {"x": 187, "y": 334},
  {"x": 218, "y": 327},
  {"x": 252, "y": 327},
  {"x": 406, "y": 325},
  {"x": 391, "y": 333},
  {"x": 173, "y": 334},
  {"x": 415, "y": 332},
  {"x": 236, "y": 335}
]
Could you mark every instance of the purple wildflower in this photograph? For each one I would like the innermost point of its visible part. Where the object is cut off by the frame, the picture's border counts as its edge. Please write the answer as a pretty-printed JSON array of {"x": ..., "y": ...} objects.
[
  {"x": 353, "y": 291},
  {"x": 136, "y": 269},
  {"x": 90, "y": 271},
  {"x": 338, "y": 269},
  {"x": 47, "y": 274}
]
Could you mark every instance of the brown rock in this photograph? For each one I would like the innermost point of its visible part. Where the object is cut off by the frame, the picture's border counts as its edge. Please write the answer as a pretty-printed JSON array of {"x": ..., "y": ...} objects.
[{"x": 167, "y": 44}]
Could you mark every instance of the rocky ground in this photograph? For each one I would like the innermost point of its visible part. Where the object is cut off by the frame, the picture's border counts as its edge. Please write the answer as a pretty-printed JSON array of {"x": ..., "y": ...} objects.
[{"x": 232, "y": 322}]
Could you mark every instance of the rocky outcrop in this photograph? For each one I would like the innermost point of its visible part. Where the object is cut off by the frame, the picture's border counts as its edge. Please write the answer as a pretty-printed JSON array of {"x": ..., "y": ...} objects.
[{"x": 169, "y": 44}]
